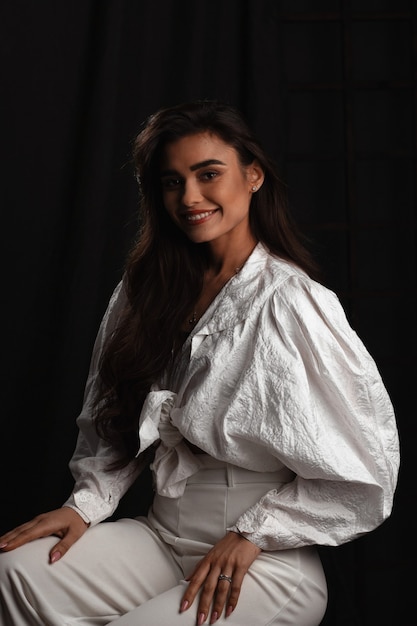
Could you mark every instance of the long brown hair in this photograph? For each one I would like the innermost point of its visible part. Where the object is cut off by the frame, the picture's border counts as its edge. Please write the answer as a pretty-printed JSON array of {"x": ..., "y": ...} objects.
[{"x": 164, "y": 270}]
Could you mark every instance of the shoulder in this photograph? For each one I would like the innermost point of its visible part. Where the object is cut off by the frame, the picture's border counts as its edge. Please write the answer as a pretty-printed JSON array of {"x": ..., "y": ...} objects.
[
  {"x": 291, "y": 293},
  {"x": 289, "y": 282}
]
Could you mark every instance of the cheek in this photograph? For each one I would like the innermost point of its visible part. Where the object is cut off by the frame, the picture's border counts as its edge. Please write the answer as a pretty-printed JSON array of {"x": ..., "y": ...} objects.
[
  {"x": 240, "y": 194},
  {"x": 232, "y": 194},
  {"x": 241, "y": 186}
]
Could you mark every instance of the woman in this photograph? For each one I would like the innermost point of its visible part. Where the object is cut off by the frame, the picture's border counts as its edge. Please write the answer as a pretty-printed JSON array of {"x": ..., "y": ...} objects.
[{"x": 224, "y": 364}]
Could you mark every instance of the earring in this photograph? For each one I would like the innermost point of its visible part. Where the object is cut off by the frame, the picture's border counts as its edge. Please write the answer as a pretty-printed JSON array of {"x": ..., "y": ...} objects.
[{"x": 254, "y": 188}]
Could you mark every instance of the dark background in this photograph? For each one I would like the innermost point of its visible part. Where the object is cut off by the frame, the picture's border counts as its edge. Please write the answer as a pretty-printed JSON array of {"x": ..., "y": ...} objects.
[{"x": 331, "y": 89}]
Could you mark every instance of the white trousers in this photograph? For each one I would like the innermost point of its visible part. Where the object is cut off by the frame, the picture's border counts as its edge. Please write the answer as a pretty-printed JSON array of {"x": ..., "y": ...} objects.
[{"x": 131, "y": 572}]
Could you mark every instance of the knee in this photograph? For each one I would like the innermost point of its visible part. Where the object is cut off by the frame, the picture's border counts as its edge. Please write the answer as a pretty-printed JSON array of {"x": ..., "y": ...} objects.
[
  {"x": 8, "y": 564},
  {"x": 28, "y": 557}
]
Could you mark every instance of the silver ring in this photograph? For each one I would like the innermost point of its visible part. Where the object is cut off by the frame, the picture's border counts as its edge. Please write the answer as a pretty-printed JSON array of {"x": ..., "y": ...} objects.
[{"x": 224, "y": 577}]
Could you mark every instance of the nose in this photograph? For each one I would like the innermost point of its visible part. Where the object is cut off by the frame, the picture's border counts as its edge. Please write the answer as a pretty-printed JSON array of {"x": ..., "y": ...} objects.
[{"x": 191, "y": 194}]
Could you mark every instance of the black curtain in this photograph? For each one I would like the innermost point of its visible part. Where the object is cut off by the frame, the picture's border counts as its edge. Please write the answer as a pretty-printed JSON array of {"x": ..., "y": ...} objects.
[{"x": 329, "y": 86}]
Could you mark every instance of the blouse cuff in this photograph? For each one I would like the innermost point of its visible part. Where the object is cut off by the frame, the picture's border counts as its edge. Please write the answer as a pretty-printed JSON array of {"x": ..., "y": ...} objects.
[
  {"x": 90, "y": 507},
  {"x": 80, "y": 513}
]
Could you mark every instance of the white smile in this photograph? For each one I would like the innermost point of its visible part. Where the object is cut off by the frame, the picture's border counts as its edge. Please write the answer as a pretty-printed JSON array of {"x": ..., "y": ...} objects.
[{"x": 198, "y": 216}]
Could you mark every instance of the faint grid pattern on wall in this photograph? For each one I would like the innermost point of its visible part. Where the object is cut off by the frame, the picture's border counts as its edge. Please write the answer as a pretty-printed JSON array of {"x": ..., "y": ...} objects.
[{"x": 351, "y": 101}]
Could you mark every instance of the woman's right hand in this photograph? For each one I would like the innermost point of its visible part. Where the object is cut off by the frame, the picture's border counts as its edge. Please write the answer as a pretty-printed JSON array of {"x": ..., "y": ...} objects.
[{"x": 64, "y": 523}]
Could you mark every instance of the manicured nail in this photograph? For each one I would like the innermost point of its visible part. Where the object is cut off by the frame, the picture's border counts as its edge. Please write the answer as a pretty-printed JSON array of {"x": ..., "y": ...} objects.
[
  {"x": 184, "y": 606},
  {"x": 3, "y": 545},
  {"x": 201, "y": 619},
  {"x": 214, "y": 617},
  {"x": 55, "y": 557},
  {"x": 229, "y": 611}
]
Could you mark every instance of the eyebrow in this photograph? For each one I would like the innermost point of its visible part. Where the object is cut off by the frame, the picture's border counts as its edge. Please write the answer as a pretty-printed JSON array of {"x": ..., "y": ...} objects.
[{"x": 196, "y": 166}]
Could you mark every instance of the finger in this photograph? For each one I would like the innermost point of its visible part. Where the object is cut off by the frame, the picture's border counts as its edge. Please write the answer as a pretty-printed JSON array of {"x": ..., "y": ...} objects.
[
  {"x": 220, "y": 599},
  {"x": 195, "y": 581},
  {"x": 206, "y": 598},
  {"x": 234, "y": 592},
  {"x": 58, "y": 551},
  {"x": 213, "y": 596},
  {"x": 19, "y": 529},
  {"x": 226, "y": 599},
  {"x": 62, "y": 523},
  {"x": 68, "y": 538},
  {"x": 20, "y": 535}
]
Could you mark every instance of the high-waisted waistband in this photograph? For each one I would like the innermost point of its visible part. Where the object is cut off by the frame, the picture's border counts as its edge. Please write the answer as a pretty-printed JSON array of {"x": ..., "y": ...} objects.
[{"x": 219, "y": 472}]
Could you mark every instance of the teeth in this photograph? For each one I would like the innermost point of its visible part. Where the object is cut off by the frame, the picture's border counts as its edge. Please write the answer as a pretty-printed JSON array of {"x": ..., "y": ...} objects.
[{"x": 198, "y": 216}]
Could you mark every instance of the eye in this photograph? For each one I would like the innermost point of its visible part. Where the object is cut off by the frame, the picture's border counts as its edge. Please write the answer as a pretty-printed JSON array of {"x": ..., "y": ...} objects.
[
  {"x": 171, "y": 183},
  {"x": 207, "y": 176}
]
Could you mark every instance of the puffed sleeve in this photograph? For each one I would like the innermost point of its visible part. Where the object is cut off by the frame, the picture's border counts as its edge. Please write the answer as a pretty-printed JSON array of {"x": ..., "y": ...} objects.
[
  {"x": 329, "y": 420},
  {"x": 97, "y": 491}
]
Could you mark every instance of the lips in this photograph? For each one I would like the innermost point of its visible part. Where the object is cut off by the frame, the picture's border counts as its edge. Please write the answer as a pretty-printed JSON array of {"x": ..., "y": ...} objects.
[{"x": 198, "y": 217}]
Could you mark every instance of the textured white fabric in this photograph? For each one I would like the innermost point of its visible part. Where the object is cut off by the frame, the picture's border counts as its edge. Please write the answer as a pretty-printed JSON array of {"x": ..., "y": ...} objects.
[
  {"x": 174, "y": 462},
  {"x": 272, "y": 375}
]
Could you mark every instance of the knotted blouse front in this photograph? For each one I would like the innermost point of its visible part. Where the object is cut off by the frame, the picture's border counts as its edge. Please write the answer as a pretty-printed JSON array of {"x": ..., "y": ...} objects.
[{"x": 271, "y": 376}]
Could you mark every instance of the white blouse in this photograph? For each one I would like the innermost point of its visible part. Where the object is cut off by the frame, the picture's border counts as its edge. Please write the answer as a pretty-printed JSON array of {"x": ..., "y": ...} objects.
[{"x": 271, "y": 376}]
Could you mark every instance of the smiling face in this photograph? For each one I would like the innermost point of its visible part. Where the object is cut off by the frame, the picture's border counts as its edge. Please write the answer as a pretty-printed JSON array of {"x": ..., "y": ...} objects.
[{"x": 206, "y": 190}]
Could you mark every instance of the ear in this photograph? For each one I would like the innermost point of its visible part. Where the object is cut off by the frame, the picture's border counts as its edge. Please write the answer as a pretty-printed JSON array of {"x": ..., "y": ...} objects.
[{"x": 255, "y": 176}]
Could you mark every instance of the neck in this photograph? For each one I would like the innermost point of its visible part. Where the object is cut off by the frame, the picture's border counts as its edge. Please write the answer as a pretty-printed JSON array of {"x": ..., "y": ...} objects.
[
  {"x": 222, "y": 268},
  {"x": 228, "y": 260}
]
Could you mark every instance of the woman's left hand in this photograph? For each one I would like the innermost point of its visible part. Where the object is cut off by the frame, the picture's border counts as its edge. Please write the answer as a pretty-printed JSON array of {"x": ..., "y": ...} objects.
[{"x": 231, "y": 556}]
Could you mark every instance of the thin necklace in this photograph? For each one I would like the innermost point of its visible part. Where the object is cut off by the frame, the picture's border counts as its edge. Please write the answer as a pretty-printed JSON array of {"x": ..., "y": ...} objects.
[{"x": 193, "y": 319}]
